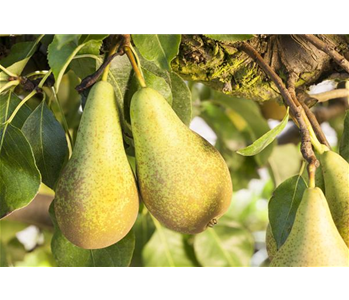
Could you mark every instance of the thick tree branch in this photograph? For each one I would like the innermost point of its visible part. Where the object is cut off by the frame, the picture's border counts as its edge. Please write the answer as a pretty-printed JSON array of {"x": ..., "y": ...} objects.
[{"x": 338, "y": 58}]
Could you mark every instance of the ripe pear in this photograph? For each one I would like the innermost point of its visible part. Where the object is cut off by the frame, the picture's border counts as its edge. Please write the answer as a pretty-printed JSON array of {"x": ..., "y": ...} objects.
[
  {"x": 336, "y": 178},
  {"x": 96, "y": 202},
  {"x": 184, "y": 181},
  {"x": 314, "y": 240}
]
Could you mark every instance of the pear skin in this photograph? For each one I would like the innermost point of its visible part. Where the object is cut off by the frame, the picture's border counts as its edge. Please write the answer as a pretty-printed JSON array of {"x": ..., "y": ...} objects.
[
  {"x": 184, "y": 181},
  {"x": 96, "y": 202},
  {"x": 314, "y": 240},
  {"x": 336, "y": 178}
]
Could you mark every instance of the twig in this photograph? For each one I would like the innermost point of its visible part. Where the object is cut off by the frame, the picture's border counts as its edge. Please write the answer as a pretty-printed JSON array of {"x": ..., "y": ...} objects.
[
  {"x": 315, "y": 124},
  {"x": 325, "y": 96},
  {"x": 338, "y": 58},
  {"x": 296, "y": 111},
  {"x": 92, "y": 79},
  {"x": 121, "y": 41},
  {"x": 322, "y": 114}
]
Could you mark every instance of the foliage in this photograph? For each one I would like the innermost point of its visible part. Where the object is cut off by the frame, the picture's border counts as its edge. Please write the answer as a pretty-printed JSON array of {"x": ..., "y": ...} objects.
[{"x": 37, "y": 138}]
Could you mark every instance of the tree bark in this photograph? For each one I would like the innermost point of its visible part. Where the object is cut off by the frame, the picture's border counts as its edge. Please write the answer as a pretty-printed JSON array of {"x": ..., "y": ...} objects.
[{"x": 223, "y": 67}]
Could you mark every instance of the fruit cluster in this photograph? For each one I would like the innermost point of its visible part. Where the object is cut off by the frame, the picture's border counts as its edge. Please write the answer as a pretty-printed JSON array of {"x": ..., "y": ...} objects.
[{"x": 182, "y": 179}]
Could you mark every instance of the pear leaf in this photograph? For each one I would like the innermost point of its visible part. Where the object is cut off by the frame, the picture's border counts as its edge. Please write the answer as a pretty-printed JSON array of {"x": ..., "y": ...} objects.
[
  {"x": 47, "y": 139},
  {"x": 166, "y": 248},
  {"x": 283, "y": 206},
  {"x": 19, "y": 177},
  {"x": 159, "y": 48},
  {"x": 264, "y": 140},
  {"x": 228, "y": 244}
]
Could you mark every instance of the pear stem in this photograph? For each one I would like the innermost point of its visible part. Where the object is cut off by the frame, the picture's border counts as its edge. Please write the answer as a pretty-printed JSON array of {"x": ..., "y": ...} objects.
[
  {"x": 135, "y": 67},
  {"x": 311, "y": 172},
  {"x": 110, "y": 55}
]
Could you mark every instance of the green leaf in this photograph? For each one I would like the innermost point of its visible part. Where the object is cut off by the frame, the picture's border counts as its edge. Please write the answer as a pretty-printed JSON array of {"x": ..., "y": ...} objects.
[
  {"x": 166, "y": 248},
  {"x": 59, "y": 57},
  {"x": 19, "y": 56},
  {"x": 19, "y": 177},
  {"x": 159, "y": 84},
  {"x": 159, "y": 48},
  {"x": 63, "y": 39},
  {"x": 83, "y": 67},
  {"x": 344, "y": 143},
  {"x": 231, "y": 38},
  {"x": 8, "y": 103},
  {"x": 144, "y": 229},
  {"x": 226, "y": 245},
  {"x": 47, "y": 139},
  {"x": 264, "y": 140},
  {"x": 119, "y": 76},
  {"x": 91, "y": 47},
  {"x": 283, "y": 206},
  {"x": 67, "y": 254},
  {"x": 85, "y": 38},
  {"x": 182, "y": 102}
]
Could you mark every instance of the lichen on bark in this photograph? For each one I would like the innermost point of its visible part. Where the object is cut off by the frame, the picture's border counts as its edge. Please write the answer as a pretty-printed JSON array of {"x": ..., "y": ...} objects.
[{"x": 223, "y": 67}]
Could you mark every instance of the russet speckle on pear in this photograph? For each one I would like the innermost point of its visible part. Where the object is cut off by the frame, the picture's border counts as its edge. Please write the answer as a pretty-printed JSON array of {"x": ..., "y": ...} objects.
[
  {"x": 314, "y": 240},
  {"x": 183, "y": 180},
  {"x": 336, "y": 179},
  {"x": 96, "y": 201}
]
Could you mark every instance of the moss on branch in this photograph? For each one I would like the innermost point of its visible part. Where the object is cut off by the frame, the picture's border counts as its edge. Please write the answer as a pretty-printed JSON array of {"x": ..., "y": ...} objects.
[{"x": 224, "y": 68}]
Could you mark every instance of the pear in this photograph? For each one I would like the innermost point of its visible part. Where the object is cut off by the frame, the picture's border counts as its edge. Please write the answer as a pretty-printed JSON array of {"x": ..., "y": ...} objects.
[
  {"x": 314, "y": 240},
  {"x": 183, "y": 180},
  {"x": 96, "y": 201},
  {"x": 336, "y": 178},
  {"x": 270, "y": 243}
]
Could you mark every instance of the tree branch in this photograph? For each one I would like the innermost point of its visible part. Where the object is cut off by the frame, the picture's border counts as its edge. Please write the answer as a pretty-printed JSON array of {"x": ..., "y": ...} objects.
[
  {"x": 325, "y": 96},
  {"x": 314, "y": 123},
  {"x": 338, "y": 58},
  {"x": 290, "y": 101}
]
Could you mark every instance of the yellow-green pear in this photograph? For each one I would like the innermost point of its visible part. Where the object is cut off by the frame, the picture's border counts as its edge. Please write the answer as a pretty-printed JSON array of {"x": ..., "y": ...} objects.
[
  {"x": 96, "y": 202},
  {"x": 314, "y": 240},
  {"x": 184, "y": 181},
  {"x": 336, "y": 178}
]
